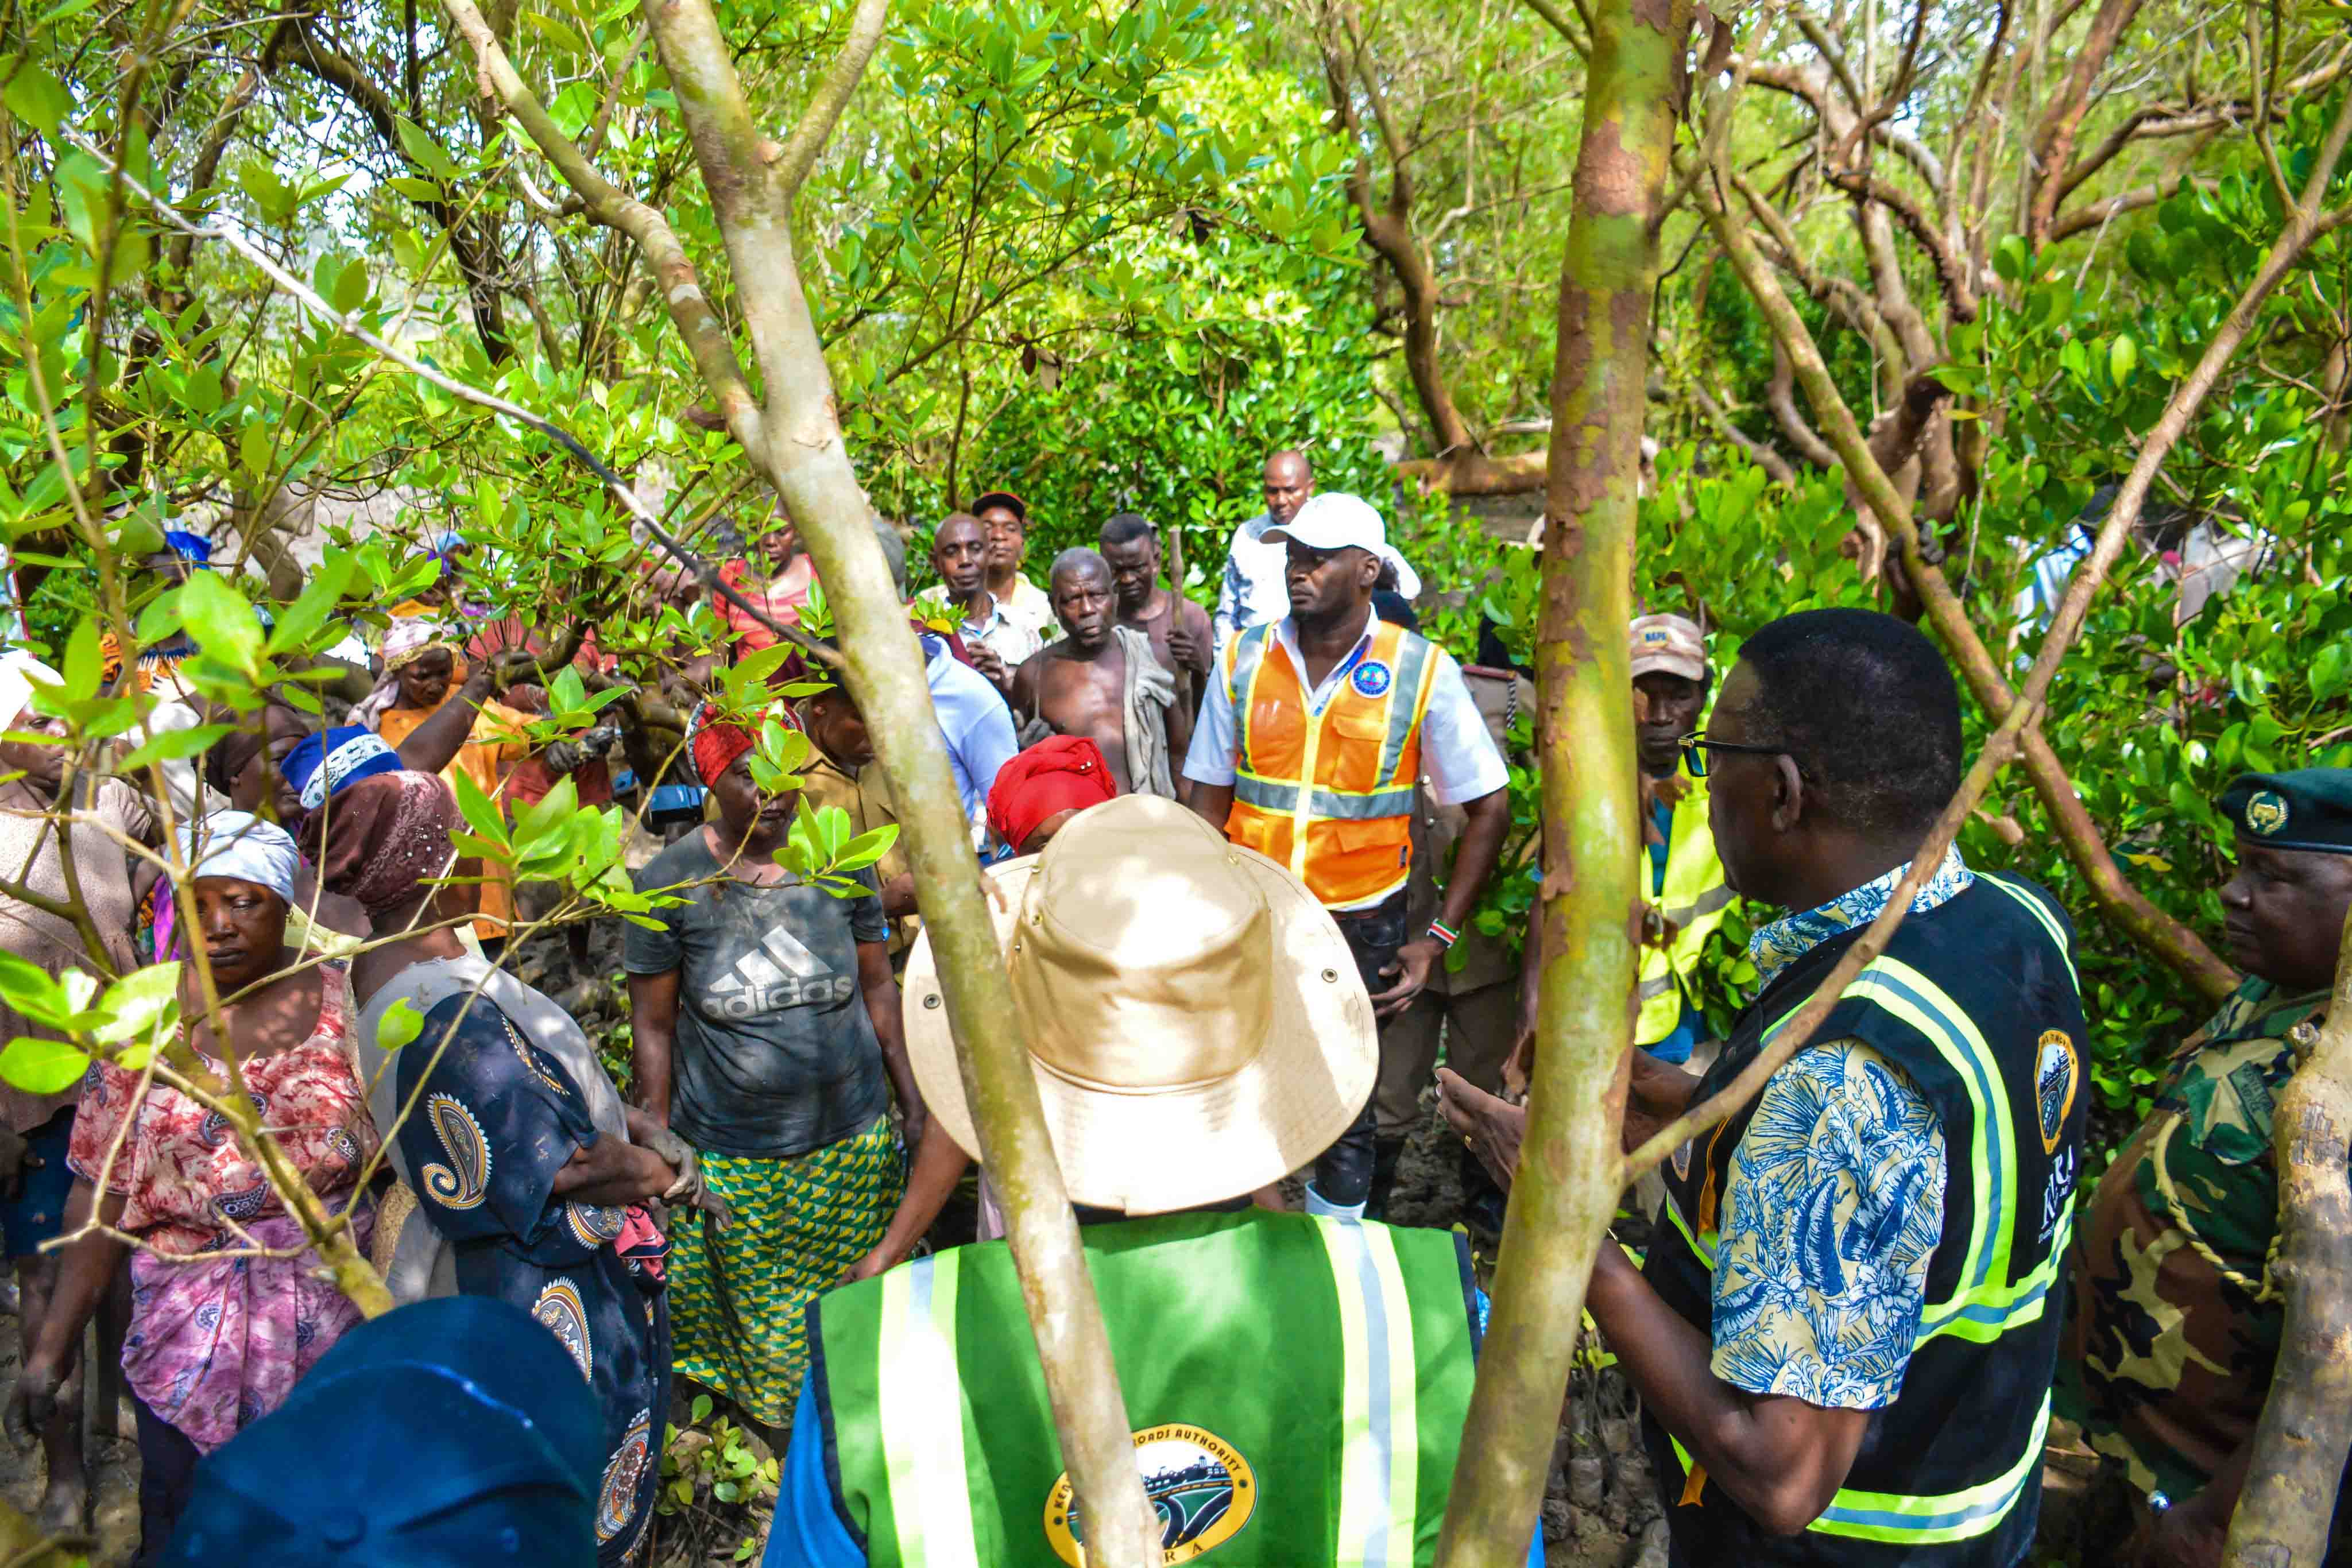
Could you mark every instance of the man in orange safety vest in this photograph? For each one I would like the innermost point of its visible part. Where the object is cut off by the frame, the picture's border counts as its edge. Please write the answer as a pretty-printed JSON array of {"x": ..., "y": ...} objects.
[{"x": 1318, "y": 731}]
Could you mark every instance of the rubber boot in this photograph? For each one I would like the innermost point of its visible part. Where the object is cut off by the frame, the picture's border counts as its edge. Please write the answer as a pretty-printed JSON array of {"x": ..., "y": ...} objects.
[{"x": 1386, "y": 1154}]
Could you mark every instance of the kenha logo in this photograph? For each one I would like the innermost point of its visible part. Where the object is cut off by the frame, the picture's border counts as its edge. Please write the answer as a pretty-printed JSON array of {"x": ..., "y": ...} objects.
[
  {"x": 1371, "y": 679},
  {"x": 1199, "y": 1483},
  {"x": 2266, "y": 812}
]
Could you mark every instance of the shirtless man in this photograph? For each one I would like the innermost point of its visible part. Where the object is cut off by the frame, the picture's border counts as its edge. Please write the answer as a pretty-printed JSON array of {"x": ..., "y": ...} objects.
[{"x": 1079, "y": 686}]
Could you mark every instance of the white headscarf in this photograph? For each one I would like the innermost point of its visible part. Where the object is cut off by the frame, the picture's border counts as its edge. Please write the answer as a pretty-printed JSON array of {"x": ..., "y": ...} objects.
[
  {"x": 18, "y": 671},
  {"x": 240, "y": 844}
]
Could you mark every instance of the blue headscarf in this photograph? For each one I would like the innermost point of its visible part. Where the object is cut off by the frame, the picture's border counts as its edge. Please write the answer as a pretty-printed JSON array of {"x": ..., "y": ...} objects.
[
  {"x": 322, "y": 765},
  {"x": 194, "y": 548},
  {"x": 452, "y": 1433}
]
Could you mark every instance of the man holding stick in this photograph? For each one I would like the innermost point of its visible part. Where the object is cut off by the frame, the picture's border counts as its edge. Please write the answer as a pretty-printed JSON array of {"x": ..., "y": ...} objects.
[{"x": 1843, "y": 1335}]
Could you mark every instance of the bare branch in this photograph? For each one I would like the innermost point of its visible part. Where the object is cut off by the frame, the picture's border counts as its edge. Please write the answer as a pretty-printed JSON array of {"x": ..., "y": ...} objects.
[{"x": 832, "y": 95}]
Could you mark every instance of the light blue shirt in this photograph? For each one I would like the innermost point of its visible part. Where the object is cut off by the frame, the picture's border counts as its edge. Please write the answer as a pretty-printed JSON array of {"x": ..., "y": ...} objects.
[{"x": 974, "y": 721}]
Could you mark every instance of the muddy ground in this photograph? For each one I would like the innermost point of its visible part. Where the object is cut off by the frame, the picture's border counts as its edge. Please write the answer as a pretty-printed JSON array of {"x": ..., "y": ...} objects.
[{"x": 1600, "y": 1510}]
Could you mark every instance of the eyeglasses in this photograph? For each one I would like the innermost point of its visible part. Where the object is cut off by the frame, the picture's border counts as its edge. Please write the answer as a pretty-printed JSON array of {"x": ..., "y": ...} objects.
[{"x": 1696, "y": 747}]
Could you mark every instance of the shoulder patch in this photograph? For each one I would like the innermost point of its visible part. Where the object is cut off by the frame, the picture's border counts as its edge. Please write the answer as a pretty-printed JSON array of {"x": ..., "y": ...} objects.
[{"x": 2057, "y": 1075}]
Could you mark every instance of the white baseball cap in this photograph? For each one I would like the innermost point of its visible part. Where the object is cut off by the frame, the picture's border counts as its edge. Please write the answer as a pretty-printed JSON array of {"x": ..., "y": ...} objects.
[{"x": 1333, "y": 520}]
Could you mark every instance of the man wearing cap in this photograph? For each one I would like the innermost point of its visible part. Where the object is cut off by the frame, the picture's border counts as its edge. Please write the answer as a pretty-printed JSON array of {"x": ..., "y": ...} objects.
[
  {"x": 1197, "y": 1032},
  {"x": 1688, "y": 896},
  {"x": 1006, "y": 517},
  {"x": 1254, "y": 589},
  {"x": 2176, "y": 1315},
  {"x": 1311, "y": 749}
]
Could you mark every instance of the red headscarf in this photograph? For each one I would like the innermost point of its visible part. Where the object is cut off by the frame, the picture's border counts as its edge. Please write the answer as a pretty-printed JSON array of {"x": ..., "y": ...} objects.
[
  {"x": 717, "y": 745},
  {"x": 1064, "y": 773}
]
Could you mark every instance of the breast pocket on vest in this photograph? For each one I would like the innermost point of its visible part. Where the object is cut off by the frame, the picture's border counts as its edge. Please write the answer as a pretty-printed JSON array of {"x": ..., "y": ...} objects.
[{"x": 1361, "y": 726}]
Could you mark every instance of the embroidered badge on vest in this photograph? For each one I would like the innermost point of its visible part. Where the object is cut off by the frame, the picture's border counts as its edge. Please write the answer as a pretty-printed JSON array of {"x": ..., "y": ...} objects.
[
  {"x": 2057, "y": 1071},
  {"x": 1199, "y": 1484},
  {"x": 2266, "y": 812},
  {"x": 1372, "y": 679}
]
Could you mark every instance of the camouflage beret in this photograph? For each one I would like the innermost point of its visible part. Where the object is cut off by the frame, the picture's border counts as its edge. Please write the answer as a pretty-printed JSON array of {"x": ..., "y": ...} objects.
[{"x": 2309, "y": 809}]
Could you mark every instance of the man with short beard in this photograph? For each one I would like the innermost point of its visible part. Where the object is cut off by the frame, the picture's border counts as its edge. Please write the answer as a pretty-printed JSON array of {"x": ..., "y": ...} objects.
[
  {"x": 1101, "y": 682},
  {"x": 1181, "y": 638}
]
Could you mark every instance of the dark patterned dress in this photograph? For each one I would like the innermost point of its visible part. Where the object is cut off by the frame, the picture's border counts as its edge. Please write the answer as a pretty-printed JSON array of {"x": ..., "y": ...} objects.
[{"x": 497, "y": 1119}]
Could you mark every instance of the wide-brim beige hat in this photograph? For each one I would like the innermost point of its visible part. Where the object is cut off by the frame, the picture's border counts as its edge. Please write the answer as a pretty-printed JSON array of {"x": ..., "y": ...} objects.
[{"x": 1194, "y": 1019}]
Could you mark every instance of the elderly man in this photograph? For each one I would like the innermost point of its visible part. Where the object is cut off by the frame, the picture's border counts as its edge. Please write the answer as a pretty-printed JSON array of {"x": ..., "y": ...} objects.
[
  {"x": 1181, "y": 638},
  {"x": 1842, "y": 1336},
  {"x": 1100, "y": 681},
  {"x": 997, "y": 640},
  {"x": 1318, "y": 730},
  {"x": 1254, "y": 589},
  {"x": 1207, "y": 1035},
  {"x": 2176, "y": 1318}
]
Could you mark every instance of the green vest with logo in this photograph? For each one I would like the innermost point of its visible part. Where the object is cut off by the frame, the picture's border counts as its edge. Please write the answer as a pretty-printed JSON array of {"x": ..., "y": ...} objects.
[
  {"x": 1977, "y": 1001},
  {"x": 1691, "y": 905},
  {"x": 1297, "y": 1385}
]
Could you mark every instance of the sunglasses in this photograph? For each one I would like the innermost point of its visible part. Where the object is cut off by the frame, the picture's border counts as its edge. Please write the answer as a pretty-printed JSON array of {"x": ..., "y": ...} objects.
[{"x": 1696, "y": 747}]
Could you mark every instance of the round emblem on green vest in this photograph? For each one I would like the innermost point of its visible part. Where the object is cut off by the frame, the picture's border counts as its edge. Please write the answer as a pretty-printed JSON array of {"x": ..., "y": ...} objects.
[
  {"x": 1200, "y": 1485},
  {"x": 2266, "y": 812},
  {"x": 2057, "y": 1071}
]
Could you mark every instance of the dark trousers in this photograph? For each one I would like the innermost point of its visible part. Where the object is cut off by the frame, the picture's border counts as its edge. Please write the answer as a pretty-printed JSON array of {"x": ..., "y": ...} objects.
[
  {"x": 1343, "y": 1173},
  {"x": 167, "y": 1474}
]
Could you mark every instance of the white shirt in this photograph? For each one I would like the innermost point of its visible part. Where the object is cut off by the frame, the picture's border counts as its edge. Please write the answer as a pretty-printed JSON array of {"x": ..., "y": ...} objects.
[
  {"x": 1458, "y": 757},
  {"x": 977, "y": 725},
  {"x": 1010, "y": 637},
  {"x": 1254, "y": 590}
]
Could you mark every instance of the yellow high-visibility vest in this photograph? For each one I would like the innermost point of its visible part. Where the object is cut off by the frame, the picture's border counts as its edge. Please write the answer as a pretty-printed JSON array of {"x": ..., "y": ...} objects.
[{"x": 1692, "y": 904}]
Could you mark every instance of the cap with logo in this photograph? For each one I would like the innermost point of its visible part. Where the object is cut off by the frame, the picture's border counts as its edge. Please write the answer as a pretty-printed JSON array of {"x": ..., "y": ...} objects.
[
  {"x": 1334, "y": 520},
  {"x": 2308, "y": 809},
  {"x": 1669, "y": 644}
]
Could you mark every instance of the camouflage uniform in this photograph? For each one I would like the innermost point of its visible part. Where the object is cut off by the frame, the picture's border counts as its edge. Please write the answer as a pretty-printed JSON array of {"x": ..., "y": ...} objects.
[{"x": 2175, "y": 1324}]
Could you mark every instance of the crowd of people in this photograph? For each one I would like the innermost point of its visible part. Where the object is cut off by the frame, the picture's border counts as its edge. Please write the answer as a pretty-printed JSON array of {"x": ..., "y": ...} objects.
[{"x": 1234, "y": 860}]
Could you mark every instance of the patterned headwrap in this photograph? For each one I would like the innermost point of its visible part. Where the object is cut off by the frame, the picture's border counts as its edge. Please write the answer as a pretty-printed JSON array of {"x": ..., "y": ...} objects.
[
  {"x": 241, "y": 845},
  {"x": 384, "y": 835},
  {"x": 406, "y": 640},
  {"x": 1062, "y": 773},
  {"x": 328, "y": 764}
]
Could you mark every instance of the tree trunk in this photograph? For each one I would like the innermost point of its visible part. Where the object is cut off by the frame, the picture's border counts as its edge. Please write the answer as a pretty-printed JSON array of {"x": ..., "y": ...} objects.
[
  {"x": 1567, "y": 1188},
  {"x": 2285, "y": 1513}
]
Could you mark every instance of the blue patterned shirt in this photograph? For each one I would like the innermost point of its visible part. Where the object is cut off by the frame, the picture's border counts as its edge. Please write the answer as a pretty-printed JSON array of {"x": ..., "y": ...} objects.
[{"x": 1834, "y": 1200}]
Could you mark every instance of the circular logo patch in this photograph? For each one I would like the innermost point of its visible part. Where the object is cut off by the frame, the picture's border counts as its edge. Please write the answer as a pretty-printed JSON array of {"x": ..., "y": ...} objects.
[
  {"x": 1371, "y": 679},
  {"x": 1199, "y": 1484},
  {"x": 2057, "y": 1073},
  {"x": 2266, "y": 812}
]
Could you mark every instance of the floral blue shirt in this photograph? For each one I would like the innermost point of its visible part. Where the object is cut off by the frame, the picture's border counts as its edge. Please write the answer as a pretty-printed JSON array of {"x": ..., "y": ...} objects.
[{"x": 1834, "y": 1200}]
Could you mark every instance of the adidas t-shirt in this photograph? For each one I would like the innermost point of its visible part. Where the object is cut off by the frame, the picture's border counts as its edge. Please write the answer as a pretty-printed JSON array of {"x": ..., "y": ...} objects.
[{"x": 775, "y": 1054}]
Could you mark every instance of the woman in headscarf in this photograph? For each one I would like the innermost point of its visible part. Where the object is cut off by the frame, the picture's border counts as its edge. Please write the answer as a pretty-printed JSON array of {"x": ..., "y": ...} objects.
[
  {"x": 229, "y": 1305},
  {"x": 424, "y": 674},
  {"x": 511, "y": 1144},
  {"x": 36, "y": 1129},
  {"x": 767, "y": 1033}
]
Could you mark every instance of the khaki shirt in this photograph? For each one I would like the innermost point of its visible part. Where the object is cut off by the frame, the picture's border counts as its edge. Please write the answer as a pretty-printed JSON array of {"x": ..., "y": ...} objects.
[{"x": 866, "y": 796}]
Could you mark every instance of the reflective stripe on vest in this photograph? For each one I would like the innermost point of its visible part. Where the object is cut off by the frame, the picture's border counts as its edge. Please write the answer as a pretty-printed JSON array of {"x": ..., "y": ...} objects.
[
  {"x": 1292, "y": 779},
  {"x": 920, "y": 1408},
  {"x": 1925, "y": 1521},
  {"x": 1986, "y": 1302},
  {"x": 922, "y": 1416},
  {"x": 1694, "y": 899},
  {"x": 1379, "y": 1454}
]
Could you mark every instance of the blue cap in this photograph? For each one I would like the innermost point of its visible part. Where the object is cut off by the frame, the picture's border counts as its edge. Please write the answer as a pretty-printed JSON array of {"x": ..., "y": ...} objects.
[
  {"x": 453, "y": 1433},
  {"x": 322, "y": 763}
]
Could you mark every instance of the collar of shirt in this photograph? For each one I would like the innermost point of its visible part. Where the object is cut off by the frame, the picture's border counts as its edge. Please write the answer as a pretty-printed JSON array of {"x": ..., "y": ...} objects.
[
  {"x": 1775, "y": 946},
  {"x": 1285, "y": 630},
  {"x": 1027, "y": 604}
]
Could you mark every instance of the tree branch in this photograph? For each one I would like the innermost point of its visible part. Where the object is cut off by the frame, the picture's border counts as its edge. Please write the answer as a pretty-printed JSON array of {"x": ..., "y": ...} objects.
[{"x": 832, "y": 96}]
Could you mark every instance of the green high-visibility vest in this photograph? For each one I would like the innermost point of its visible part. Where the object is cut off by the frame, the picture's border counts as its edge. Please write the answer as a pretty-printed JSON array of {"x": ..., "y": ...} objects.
[
  {"x": 1694, "y": 901},
  {"x": 1297, "y": 1385}
]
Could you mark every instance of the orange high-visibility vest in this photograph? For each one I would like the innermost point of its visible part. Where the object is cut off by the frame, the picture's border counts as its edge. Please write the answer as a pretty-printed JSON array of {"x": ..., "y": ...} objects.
[{"x": 1329, "y": 795}]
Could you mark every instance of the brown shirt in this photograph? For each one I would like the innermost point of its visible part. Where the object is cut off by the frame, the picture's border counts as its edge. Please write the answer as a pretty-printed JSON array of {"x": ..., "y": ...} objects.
[
  {"x": 28, "y": 856},
  {"x": 866, "y": 796}
]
